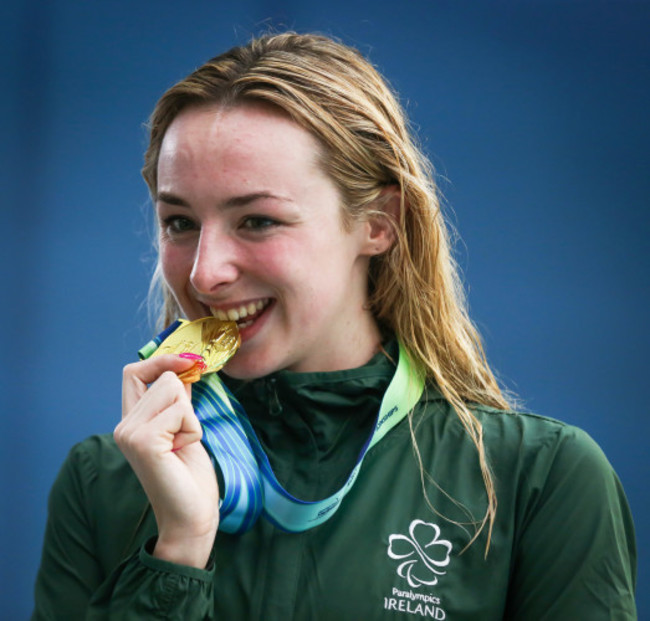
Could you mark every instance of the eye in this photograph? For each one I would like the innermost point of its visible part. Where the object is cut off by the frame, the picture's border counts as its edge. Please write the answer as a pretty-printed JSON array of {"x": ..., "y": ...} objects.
[
  {"x": 175, "y": 225},
  {"x": 258, "y": 223}
]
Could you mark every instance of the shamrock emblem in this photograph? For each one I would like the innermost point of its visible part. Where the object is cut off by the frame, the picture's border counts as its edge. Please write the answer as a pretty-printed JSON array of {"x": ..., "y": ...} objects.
[{"x": 423, "y": 553}]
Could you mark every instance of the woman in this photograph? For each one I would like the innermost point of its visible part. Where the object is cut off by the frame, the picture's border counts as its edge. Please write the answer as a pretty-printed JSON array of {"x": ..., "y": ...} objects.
[{"x": 291, "y": 199}]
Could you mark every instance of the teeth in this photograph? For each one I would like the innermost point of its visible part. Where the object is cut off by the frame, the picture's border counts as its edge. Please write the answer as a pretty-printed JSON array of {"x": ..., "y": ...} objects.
[
  {"x": 219, "y": 314},
  {"x": 236, "y": 314}
]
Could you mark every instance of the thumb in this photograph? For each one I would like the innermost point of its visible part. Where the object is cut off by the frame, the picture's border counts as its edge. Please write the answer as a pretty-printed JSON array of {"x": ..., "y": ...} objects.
[{"x": 190, "y": 431}]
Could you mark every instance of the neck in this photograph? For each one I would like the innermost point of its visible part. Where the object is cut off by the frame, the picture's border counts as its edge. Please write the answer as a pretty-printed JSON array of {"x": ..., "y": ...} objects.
[{"x": 349, "y": 349}]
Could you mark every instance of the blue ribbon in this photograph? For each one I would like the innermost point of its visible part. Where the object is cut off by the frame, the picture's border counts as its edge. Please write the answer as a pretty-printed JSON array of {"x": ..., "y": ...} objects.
[{"x": 251, "y": 488}]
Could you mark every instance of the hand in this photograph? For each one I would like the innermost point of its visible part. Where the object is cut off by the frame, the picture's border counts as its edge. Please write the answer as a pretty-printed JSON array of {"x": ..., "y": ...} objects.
[{"x": 160, "y": 437}]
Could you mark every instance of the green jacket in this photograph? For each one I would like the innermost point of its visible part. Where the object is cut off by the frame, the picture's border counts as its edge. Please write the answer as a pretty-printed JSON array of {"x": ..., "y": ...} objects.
[{"x": 562, "y": 545}]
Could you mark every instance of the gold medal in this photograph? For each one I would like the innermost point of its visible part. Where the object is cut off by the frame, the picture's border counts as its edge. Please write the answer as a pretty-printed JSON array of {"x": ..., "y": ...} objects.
[{"x": 214, "y": 340}]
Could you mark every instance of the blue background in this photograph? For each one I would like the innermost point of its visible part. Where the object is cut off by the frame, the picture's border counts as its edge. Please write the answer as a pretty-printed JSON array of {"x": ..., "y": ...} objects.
[{"x": 535, "y": 113}]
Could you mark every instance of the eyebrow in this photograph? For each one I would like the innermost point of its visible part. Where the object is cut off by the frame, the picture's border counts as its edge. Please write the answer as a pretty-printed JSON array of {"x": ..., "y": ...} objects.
[
  {"x": 170, "y": 199},
  {"x": 235, "y": 201}
]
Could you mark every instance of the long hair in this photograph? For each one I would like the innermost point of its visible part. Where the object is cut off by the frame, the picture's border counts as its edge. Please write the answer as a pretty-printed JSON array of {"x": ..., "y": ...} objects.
[{"x": 333, "y": 92}]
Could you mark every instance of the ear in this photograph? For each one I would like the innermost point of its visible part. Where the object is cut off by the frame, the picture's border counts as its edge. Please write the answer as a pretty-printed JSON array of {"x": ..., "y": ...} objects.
[{"x": 382, "y": 222}]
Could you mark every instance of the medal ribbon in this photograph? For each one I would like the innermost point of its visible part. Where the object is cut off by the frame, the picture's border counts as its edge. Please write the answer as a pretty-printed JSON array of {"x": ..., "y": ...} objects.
[{"x": 251, "y": 488}]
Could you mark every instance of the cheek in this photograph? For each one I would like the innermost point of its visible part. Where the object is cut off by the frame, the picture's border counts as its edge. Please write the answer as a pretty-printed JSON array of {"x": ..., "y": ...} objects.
[
  {"x": 280, "y": 262},
  {"x": 176, "y": 265}
]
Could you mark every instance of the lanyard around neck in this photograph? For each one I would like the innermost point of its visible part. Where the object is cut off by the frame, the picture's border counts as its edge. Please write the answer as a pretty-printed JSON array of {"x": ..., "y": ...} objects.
[{"x": 251, "y": 487}]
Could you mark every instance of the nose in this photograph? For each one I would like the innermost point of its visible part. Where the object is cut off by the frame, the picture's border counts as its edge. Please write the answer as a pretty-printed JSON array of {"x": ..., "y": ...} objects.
[{"x": 215, "y": 262}]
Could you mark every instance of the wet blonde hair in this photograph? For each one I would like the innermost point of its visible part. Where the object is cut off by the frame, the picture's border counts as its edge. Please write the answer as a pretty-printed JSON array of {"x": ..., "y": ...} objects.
[{"x": 332, "y": 91}]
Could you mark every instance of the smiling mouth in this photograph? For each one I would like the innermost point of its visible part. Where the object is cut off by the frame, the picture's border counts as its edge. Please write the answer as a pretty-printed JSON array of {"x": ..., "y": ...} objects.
[{"x": 244, "y": 315}]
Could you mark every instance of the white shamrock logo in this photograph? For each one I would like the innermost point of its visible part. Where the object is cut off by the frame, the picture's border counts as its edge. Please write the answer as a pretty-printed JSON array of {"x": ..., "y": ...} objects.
[{"x": 424, "y": 553}]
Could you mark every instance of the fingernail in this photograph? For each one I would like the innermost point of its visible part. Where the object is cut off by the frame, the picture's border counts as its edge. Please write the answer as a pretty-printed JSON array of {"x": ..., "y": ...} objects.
[
  {"x": 199, "y": 361},
  {"x": 190, "y": 356}
]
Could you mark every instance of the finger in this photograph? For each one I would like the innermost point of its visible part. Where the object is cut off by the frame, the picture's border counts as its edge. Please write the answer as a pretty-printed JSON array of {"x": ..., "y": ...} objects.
[
  {"x": 138, "y": 375},
  {"x": 178, "y": 426},
  {"x": 194, "y": 373},
  {"x": 142, "y": 438},
  {"x": 185, "y": 438},
  {"x": 167, "y": 389}
]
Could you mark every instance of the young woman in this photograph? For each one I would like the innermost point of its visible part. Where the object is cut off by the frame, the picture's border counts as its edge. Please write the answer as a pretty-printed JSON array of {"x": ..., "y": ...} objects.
[{"x": 291, "y": 199}]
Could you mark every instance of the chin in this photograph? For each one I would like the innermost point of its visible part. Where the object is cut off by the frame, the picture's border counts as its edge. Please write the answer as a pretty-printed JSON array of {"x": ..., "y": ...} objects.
[{"x": 244, "y": 369}]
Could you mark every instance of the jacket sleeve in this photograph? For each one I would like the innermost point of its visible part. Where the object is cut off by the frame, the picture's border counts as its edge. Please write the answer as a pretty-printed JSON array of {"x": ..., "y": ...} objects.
[
  {"x": 576, "y": 555},
  {"x": 144, "y": 587},
  {"x": 72, "y": 582}
]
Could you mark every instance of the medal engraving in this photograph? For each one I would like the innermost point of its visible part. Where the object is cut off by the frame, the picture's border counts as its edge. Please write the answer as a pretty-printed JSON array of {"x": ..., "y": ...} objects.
[{"x": 214, "y": 340}]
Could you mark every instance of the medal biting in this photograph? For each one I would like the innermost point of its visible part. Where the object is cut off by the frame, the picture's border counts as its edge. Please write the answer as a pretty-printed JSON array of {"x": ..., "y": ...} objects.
[{"x": 209, "y": 341}]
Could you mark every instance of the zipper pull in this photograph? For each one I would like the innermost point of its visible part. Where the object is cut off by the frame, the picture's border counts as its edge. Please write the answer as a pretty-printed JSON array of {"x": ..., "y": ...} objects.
[{"x": 275, "y": 407}]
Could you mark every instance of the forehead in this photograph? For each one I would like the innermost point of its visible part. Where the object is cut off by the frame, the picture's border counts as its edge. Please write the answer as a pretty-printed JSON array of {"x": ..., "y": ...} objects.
[
  {"x": 212, "y": 154},
  {"x": 247, "y": 131}
]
